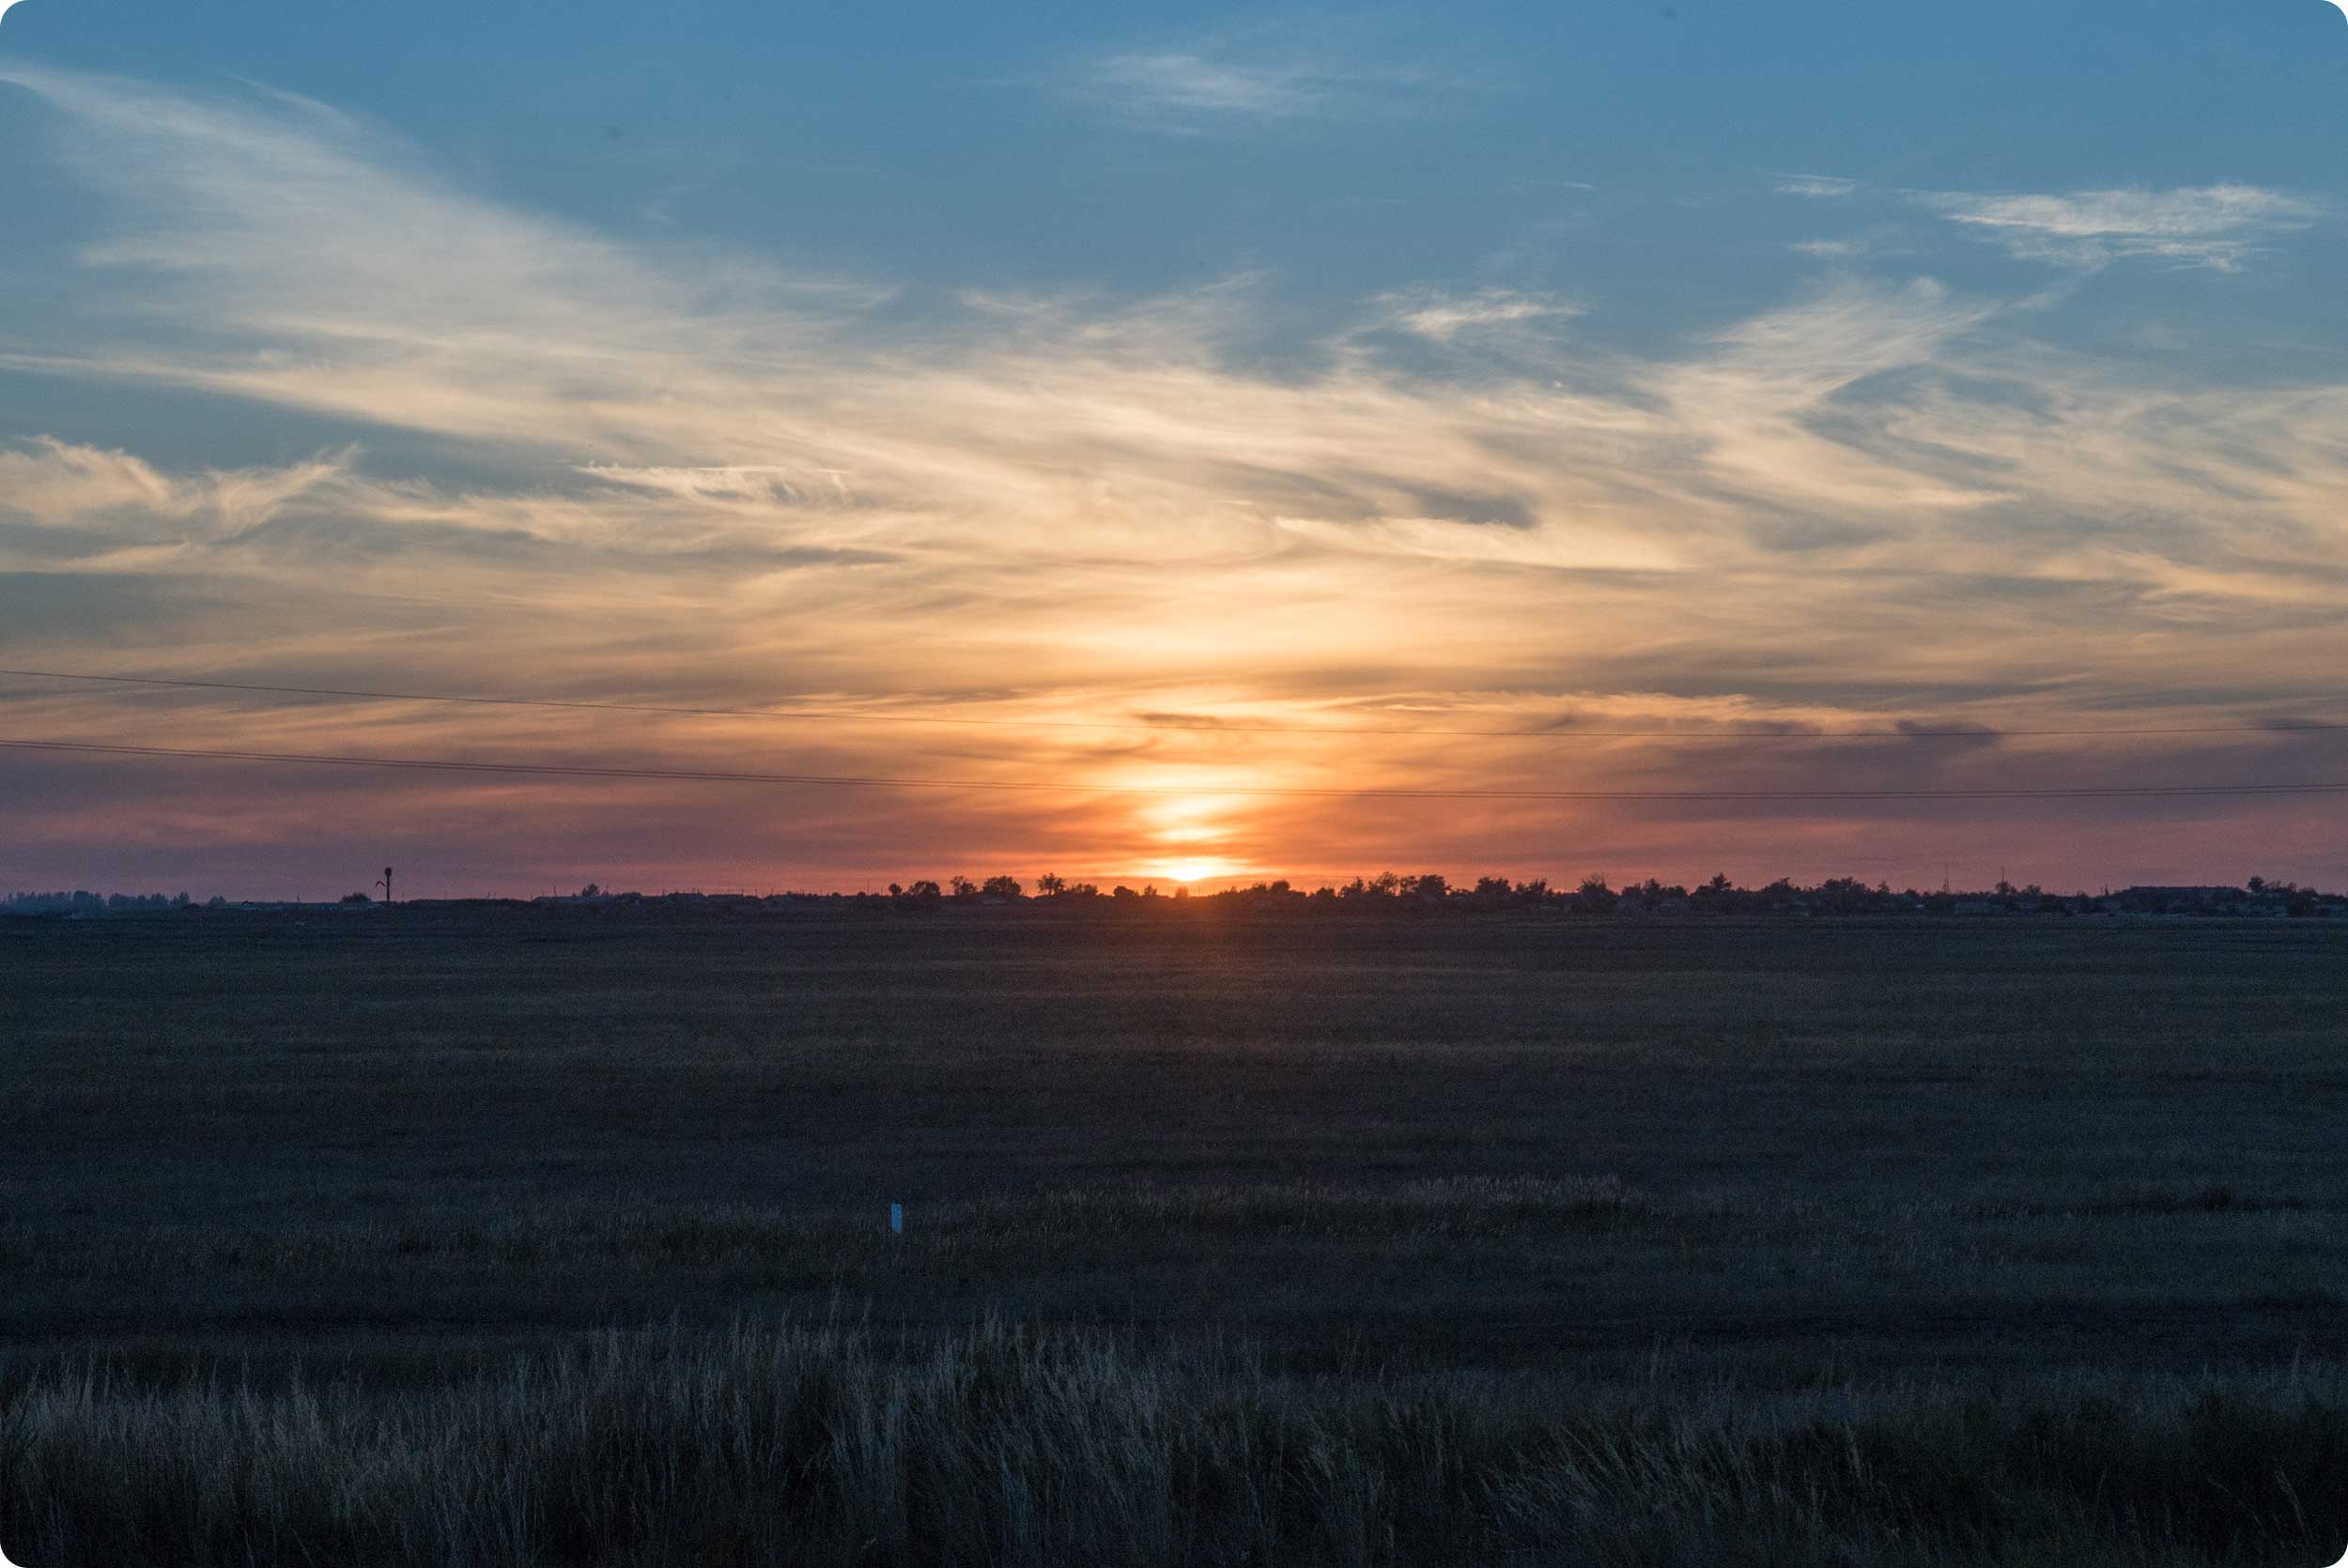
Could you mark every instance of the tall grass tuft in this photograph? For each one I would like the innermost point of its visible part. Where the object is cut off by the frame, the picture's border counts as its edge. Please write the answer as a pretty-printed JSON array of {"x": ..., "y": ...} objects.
[{"x": 813, "y": 1445}]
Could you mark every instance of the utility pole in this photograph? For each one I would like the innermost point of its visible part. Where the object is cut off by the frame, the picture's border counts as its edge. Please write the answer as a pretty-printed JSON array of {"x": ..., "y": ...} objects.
[{"x": 386, "y": 884}]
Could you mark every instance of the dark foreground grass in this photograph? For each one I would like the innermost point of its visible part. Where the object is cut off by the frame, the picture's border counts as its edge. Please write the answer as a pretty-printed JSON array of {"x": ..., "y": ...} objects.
[
  {"x": 822, "y": 1445},
  {"x": 2018, "y": 1242}
]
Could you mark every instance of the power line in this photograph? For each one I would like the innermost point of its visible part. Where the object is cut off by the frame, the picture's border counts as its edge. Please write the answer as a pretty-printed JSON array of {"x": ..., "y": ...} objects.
[
  {"x": 860, "y": 716},
  {"x": 708, "y": 775}
]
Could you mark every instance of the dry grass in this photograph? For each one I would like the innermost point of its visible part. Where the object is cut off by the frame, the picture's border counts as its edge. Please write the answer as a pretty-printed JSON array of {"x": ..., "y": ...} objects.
[{"x": 821, "y": 1445}]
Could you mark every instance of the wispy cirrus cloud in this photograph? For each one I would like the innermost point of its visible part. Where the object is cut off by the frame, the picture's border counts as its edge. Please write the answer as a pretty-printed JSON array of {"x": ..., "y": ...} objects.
[
  {"x": 2216, "y": 226},
  {"x": 1179, "y": 85},
  {"x": 62, "y": 484},
  {"x": 1259, "y": 76},
  {"x": 738, "y": 481},
  {"x": 1879, "y": 242},
  {"x": 1441, "y": 315},
  {"x": 1818, "y": 187}
]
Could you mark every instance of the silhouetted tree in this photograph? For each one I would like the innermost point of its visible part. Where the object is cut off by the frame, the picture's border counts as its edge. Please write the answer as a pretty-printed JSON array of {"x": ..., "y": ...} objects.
[
  {"x": 1001, "y": 887},
  {"x": 1840, "y": 896}
]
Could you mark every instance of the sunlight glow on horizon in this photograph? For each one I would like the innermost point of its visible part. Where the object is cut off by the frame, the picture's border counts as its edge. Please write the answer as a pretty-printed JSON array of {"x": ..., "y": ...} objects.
[
  {"x": 1192, "y": 819},
  {"x": 1189, "y": 871}
]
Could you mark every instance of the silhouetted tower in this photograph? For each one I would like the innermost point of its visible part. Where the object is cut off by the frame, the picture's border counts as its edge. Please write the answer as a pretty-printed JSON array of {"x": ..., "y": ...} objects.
[{"x": 386, "y": 884}]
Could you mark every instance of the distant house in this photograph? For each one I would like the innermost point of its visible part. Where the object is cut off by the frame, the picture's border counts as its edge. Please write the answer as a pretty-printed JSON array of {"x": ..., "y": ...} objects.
[{"x": 2180, "y": 901}]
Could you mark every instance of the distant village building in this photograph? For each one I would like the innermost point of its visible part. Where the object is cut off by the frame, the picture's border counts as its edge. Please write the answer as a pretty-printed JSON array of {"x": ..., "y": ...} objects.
[
  {"x": 2180, "y": 901},
  {"x": 1639, "y": 905}
]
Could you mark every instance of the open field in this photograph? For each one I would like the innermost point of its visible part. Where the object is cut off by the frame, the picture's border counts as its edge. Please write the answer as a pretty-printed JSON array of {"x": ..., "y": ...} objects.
[{"x": 1701, "y": 1188}]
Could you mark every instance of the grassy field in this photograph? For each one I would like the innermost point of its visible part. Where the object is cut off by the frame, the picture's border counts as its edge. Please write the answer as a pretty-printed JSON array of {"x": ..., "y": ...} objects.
[{"x": 1394, "y": 1239}]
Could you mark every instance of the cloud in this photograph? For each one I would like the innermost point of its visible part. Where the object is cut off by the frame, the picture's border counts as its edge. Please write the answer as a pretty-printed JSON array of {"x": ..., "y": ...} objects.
[
  {"x": 59, "y": 485},
  {"x": 1819, "y": 187},
  {"x": 374, "y": 267},
  {"x": 1440, "y": 316},
  {"x": 1883, "y": 239},
  {"x": 1782, "y": 420},
  {"x": 1180, "y": 84},
  {"x": 2216, "y": 226},
  {"x": 734, "y": 483},
  {"x": 1259, "y": 76},
  {"x": 684, "y": 478}
]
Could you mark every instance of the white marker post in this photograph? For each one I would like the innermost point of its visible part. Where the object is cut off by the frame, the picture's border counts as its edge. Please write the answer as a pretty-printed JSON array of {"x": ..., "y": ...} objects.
[{"x": 896, "y": 1219}]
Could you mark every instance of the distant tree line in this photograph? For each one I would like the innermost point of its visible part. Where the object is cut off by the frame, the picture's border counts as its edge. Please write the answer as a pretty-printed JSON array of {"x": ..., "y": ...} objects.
[
  {"x": 82, "y": 901},
  {"x": 1389, "y": 891},
  {"x": 1596, "y": 895}
]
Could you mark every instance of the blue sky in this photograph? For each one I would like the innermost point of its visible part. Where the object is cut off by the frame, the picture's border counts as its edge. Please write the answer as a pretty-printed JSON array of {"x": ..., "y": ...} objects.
[
  {"x": 1620, "y": 153},
  {"x": 1816, "y": 365}
]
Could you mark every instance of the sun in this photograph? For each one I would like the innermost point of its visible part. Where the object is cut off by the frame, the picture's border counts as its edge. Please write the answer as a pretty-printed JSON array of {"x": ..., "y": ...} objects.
[{"x": 1194, "y": 870}]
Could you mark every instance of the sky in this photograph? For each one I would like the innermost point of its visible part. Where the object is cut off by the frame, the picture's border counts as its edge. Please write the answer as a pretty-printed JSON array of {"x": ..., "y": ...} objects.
[{"x": 1177, "y": 439}]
